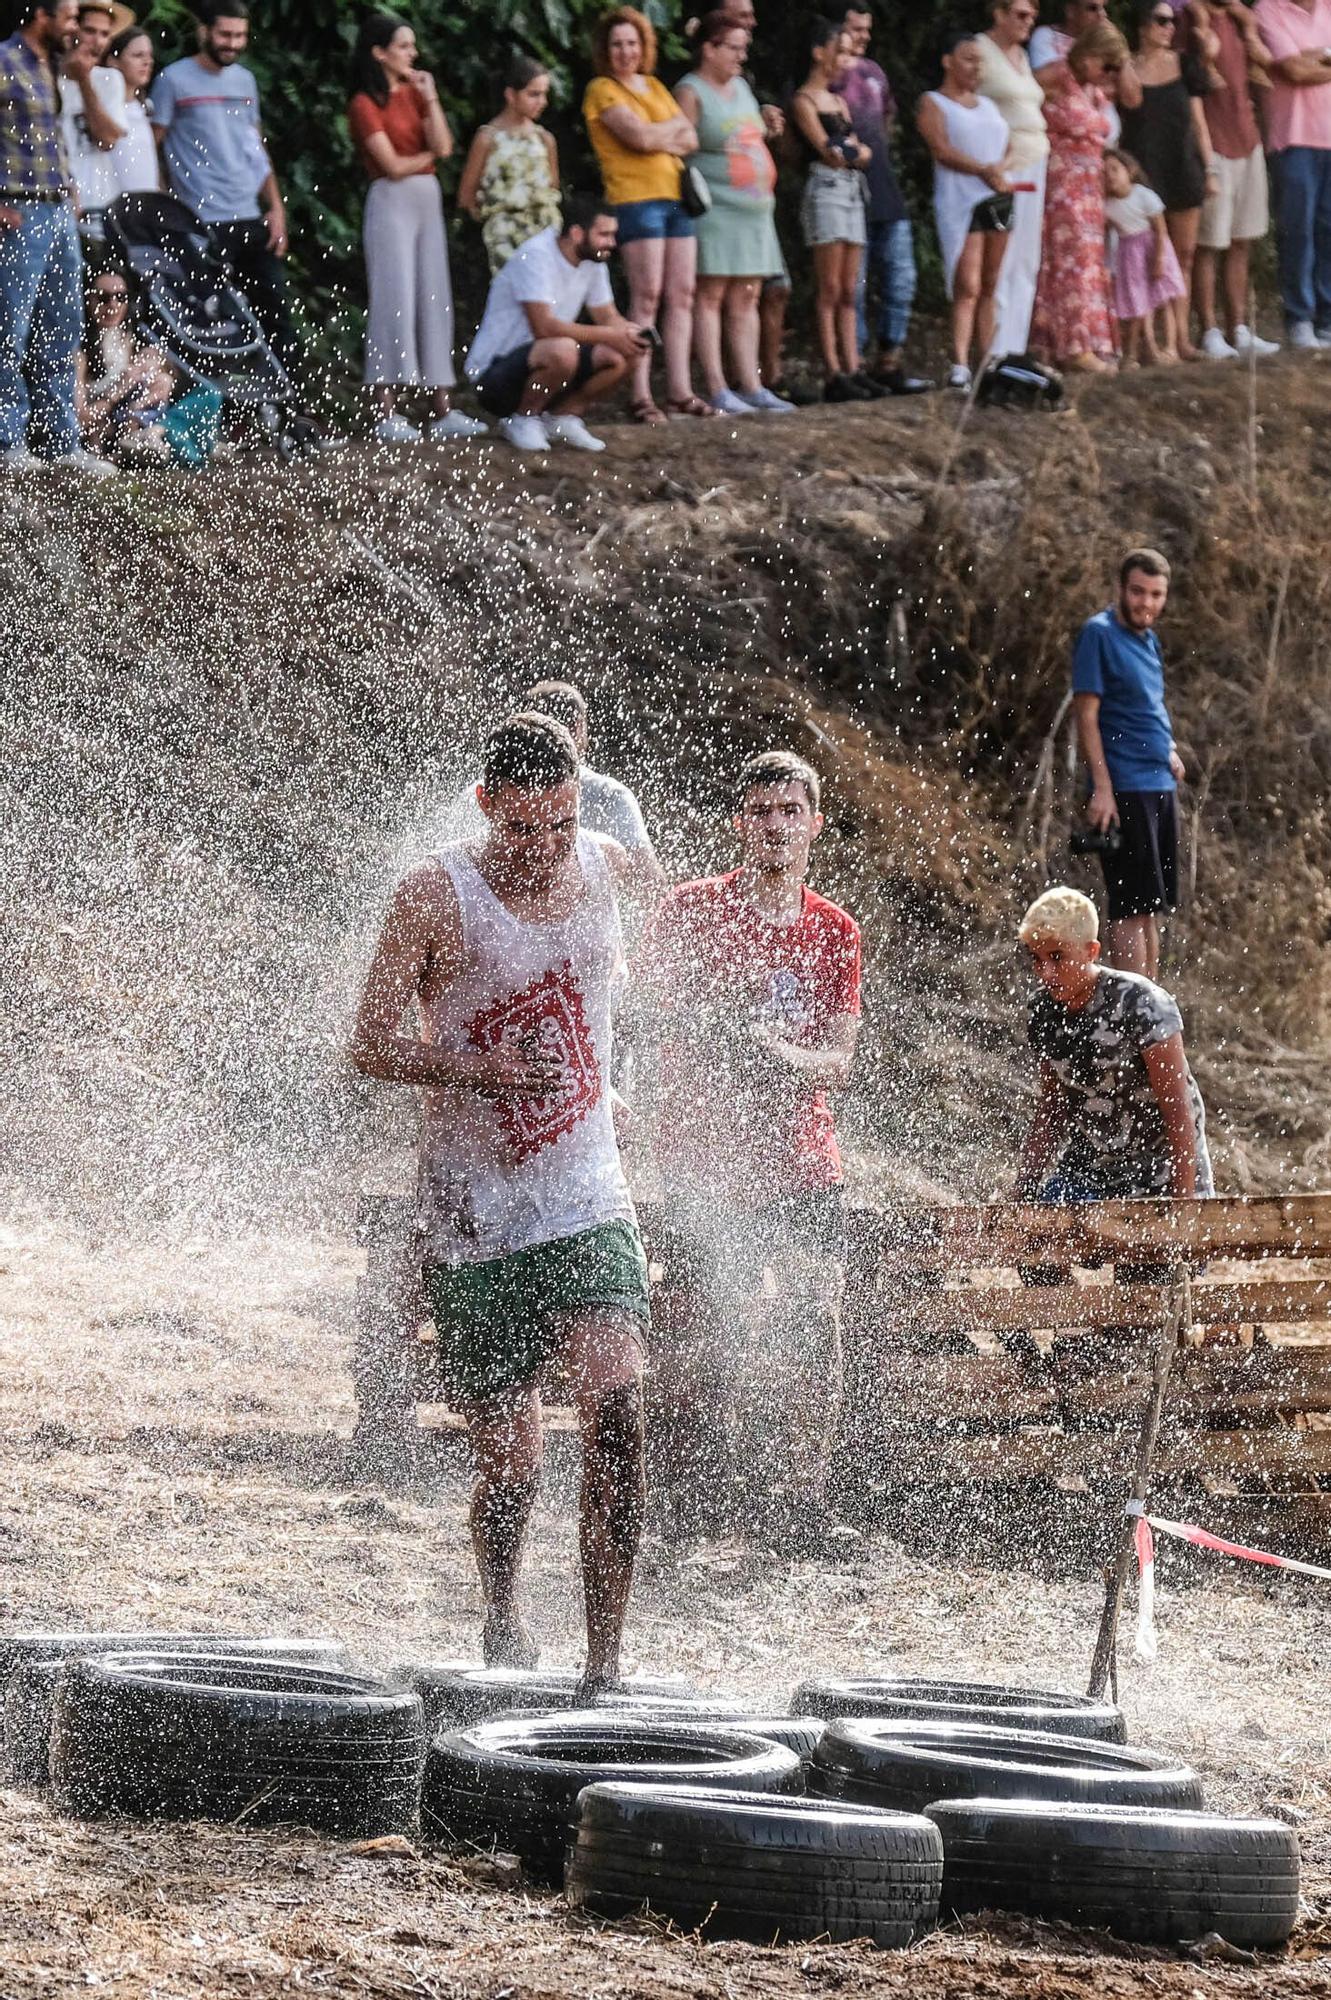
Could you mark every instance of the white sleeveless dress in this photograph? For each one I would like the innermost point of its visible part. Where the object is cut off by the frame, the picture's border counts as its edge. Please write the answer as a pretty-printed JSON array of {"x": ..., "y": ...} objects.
[
  {"x": 980, "y": 131},
  {"x": 500, "y": 1177}
]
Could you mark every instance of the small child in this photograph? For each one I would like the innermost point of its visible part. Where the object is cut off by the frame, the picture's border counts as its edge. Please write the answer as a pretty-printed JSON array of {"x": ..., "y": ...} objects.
[
  {"x": 510, "y": 184},
  {"x": 1146, "y": 270}
]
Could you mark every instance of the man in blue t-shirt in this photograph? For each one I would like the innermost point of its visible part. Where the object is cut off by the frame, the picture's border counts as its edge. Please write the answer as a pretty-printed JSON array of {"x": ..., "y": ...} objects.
[
  {"x": 205, "y": 114},
  {"x": 1118, "y": 696}
]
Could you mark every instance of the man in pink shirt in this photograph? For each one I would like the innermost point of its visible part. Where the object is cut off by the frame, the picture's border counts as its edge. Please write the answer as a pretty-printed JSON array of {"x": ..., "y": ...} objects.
[{"x": 1297, "y": 34}]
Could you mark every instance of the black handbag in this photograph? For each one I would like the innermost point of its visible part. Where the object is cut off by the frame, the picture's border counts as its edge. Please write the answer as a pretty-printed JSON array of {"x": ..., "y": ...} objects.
[{"x": 694, "y": 191}]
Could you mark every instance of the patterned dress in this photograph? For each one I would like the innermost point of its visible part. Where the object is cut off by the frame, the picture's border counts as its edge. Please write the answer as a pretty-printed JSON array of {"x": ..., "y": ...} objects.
[
  {"x": 515, "y": 199},
  {"x": 1073, "y": 309}
]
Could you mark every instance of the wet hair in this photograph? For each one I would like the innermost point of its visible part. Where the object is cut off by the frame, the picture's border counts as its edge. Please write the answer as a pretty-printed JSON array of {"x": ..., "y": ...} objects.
[
  {"x": 1135, "y": 171},
  {"x": 367, "y": 72},
  {"x": 531, "y": 751},
  {"x": 714, "y": 27},
  {"x": 522, "y": 71},
  {"x": 1149, "y": 562},
  {"x": 778, "y": 767},
  {"x": 623, "y": 17},
  {"x": 1062, "y": 914},
  {"x": 566, "y": 703},
  {"x": 1101, "y": 39},
  {"x": 581, "y": 211}
]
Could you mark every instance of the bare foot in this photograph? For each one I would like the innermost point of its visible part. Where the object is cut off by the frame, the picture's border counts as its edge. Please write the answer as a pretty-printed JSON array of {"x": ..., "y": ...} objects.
[
  {"x": 1188, "y": 352},
  {"x": 593, "y": 1686},
  {"x": 507, "y": 1642},
  {"x": 1086, "y": 364},
  {"x": 1167, "y": 358}
]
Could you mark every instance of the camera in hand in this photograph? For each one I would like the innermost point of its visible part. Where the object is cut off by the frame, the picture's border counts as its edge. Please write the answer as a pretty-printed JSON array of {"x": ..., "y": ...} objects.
[{"x": 1096, "y": 840}]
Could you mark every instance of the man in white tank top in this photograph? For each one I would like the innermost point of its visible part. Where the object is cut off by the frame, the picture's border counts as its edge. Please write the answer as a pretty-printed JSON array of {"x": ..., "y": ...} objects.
[{"x": 510, "y": 952}]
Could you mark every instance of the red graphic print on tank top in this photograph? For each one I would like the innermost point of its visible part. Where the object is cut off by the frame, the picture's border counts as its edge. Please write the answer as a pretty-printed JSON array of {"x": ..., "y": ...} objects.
[{"x": 547, "y": 1017}]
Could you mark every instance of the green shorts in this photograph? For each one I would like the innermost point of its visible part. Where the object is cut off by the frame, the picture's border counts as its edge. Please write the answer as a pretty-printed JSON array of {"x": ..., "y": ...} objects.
[{"x": 497, "y": 1324}]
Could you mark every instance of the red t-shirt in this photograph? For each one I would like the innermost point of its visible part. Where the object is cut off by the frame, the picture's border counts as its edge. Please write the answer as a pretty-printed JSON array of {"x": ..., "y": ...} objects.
[
  {"x": 401, "y": 120},
  {"x": 732, "y": 1122}
]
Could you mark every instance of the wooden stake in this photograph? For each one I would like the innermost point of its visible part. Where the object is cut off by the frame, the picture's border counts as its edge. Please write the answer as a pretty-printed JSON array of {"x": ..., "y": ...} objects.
[{"x": 1104, "y": 1660}]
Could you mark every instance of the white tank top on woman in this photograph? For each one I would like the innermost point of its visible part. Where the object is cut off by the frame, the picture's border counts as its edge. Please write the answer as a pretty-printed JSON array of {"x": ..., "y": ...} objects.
[
  {"x": 499, "y": 1177},
  {"x": 980, "y": 131}
]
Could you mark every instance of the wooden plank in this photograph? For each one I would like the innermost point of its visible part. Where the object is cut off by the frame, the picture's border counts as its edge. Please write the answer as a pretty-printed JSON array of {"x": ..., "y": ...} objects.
[
  {"x": 1051, "y": 1456},
  {"x": 1003, "y": 1234},
  {"x": 1044, "y": 1308}
]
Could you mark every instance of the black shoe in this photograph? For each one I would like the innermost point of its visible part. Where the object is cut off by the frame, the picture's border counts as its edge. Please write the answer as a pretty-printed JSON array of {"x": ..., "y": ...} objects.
[
  {"x": 790, "y": 393},
  {"x": 898, "y": 383},
  {"x": 872, "y": 391},
  {"x": 845, "y": 389}
]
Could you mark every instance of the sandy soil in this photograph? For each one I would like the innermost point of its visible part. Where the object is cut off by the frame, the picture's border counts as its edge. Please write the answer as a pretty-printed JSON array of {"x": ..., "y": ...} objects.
[{"x": 198, "y": 1473}]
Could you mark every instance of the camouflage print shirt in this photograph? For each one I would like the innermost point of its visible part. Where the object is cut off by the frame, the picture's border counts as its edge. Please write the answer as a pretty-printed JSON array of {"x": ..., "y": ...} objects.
[{"x": 1116, "y": 1139}]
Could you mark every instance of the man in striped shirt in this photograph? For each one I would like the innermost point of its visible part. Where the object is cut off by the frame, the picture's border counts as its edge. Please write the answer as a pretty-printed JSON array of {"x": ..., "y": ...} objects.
[{"x": 41, "y": 265}]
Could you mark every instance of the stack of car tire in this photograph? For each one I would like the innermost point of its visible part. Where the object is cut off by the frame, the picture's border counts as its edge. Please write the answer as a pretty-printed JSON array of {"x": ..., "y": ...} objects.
[{"x": 872, "y": 1810}]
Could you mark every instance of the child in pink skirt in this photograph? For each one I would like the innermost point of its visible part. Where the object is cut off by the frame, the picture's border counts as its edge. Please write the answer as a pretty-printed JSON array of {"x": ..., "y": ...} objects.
[{"x": 1146, "y": 270}]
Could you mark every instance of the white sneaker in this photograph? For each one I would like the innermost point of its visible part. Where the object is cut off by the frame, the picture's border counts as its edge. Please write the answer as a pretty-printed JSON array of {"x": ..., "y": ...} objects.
[
  {"x": 1215, "y": 347},
  {"x": 1248, "y": 342},
  {"x": 572, "y": 430},
  {"x": 524, "y": 433},
  {"x": 727, "y": 404},
  {"x": 17, "y": 458},
  {"x": 457, "y": 425},
  {"x": 1302, "y": 337},
  {"x": 396, "y": 430},
  {"x": 87, "y": 461},
  {"x": 959, "y": 376},
  {"x": 763, "y": 399}
]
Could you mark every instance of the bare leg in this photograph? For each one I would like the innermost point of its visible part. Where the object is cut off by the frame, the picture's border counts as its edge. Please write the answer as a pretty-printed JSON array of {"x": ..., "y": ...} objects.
[
  {"x": 608, "y": 371},
  {"x": 965, "y": 298},
  {"x": 772, "y": 330},
  {"x": 1183, "y": 225},
  {"x": 506, "y": 1444},
  {"x": 994, "y": 245},
  {"x": 1203, "y": 286},
  {"x": 1134, "y": 946},
  {"x": 1236, "y": 285},
  {"x": 603, "y": 1356},
  {"x": 644, "y": 262},
  {"x": 827, "y": 276},
  {"x": 678, "y": 285},
  {"x": 741, "y": 316},
  {"x": 690, "y": 1453},
  {"x": 440, "y": 402},
  {"x": 1129, "y": 331},
  {"x": 707, "y": 332},
  {"x": 852, "y": 256}
]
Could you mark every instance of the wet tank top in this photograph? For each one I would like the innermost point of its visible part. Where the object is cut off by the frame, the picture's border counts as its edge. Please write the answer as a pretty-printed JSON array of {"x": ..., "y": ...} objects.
[{"x": 499, "y": 1177}]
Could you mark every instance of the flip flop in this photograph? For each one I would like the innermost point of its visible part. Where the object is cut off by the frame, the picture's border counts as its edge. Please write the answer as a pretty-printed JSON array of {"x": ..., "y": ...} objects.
[{"x": 690, "y": 406}]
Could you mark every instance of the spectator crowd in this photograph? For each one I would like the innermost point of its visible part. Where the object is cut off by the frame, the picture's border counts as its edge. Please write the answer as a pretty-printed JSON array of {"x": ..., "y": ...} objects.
[{"x": 1096, "y": 200}]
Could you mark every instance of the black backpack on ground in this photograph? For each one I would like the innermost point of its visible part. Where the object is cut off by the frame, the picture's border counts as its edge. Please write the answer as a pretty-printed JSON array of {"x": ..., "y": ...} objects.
[{"x": 1019, "y": 382}]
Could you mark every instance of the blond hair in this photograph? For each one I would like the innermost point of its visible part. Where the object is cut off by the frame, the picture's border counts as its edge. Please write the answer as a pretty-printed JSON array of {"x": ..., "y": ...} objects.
[
  {"x": 1061, "y": 913},
  {"x": 1103, "y": 40}
]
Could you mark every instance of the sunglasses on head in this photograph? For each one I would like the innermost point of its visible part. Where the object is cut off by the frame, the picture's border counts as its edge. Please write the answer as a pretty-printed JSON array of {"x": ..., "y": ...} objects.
[{"x": 1163, "y": 20}]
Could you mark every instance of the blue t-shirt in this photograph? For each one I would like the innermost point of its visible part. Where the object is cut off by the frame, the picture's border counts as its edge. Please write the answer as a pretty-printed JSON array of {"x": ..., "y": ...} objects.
[
  {"x": 1127, "y": 670},
  {"x": 214, "y": 154}
]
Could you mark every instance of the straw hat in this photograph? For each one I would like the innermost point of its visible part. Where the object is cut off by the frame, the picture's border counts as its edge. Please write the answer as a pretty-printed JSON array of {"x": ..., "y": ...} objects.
[{"x": 120, "y": 16}]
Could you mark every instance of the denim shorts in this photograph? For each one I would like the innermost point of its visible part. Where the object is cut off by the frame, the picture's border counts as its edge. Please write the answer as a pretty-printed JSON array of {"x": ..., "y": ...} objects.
[{"x": 639, "y": 220}]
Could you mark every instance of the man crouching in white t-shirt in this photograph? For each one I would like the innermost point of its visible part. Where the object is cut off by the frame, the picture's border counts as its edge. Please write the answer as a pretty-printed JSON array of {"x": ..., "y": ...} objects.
[{"x": 537, "y": 363}]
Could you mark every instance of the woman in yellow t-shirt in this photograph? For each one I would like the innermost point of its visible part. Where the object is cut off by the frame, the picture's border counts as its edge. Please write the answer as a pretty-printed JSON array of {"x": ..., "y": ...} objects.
[{"x": 641, "y": 137}]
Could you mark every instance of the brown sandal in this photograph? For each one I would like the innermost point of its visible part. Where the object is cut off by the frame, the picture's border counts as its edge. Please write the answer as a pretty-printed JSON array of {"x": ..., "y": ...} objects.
[
  {"x": 646, "y": 412},
  {"x": 690, "y": 406}
]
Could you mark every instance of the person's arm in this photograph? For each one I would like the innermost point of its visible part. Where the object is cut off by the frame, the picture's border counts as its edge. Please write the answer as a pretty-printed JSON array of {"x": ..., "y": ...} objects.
[
  {"x": 469, "y": 186},
  {"x": 552, "y": 149},
  {"x": 422, "y": 939},
  {"x": 1128, "y": 95},
  {"x": 274, "y": 213},
  {"x": 1309, "y": 66},
  {"x": 668, "y": 135},
  {"x": 393, "y": 165},
  {"x": 101, "y": 126},
  {"x": 686, "y": 97},
  {"x": 1101, "y": 811},
  {"x": 1255, "y": 48},
  {"x": 1204, "y": 146},
  {"x": 933, "y": 130},
  {"x": 606, "y": 327},
  {"x": 438, "y": 134},
  {"x": 1045, "y": 1136},
  {"x": 824, "y": 1068},
  {"x": 1160, "y": 245},
  {"x": 1167, "y": 1068}
]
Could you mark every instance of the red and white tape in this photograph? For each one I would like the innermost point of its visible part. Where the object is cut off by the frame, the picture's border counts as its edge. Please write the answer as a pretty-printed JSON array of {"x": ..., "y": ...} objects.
[{"x": 1145, "y": 1531}]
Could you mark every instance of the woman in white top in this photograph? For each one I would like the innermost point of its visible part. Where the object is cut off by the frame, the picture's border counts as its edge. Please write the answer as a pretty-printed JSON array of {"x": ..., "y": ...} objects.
[
  {"x": 134, "y": 158},
  {"x": 968, "y": 137},
  {"x": 1006, "y": 77}
]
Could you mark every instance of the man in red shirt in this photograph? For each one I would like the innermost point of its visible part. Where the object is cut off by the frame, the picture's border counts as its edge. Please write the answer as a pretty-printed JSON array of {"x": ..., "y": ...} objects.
[{"x": 753, "y": 981}]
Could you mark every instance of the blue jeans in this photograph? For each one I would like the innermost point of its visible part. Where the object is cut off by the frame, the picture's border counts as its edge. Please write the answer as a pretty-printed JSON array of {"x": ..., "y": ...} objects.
[
  {"x": 890, "y": 254},
  {"x": 41, "y": 325},
  {"x": 1302, "y": 177}
]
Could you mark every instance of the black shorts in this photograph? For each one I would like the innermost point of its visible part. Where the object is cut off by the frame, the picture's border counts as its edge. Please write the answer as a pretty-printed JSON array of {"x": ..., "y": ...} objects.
[
  {"x": 992, "y": 216},
  {"x": 1141, "y": 878},
  {"x": 504, "y": 384}
]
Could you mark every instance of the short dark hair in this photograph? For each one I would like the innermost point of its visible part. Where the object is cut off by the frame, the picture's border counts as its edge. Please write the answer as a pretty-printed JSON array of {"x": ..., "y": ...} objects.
[
  {"x": 1149, "y": 561},
  {"x": 822, "y": 31},
  {"x": 581, "y": 211},
  {"x": 778, "y": 767},
  {"x": 209, "y": 12},
  {"x": 531, "y": 751},
  {"x": 566, "y": 703}
]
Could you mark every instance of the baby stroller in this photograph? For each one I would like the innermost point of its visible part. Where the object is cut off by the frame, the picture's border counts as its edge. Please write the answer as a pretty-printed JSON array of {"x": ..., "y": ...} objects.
[{"x": 190, "y": 305}]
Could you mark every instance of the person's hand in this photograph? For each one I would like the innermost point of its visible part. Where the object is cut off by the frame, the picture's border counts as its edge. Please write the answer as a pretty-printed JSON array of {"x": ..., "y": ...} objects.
[
  {"x": 78, "y": 65},
  {"x": 513, "y": 1073},
  {"x": 625, "y": 339},
  {"x": 686, "y": 142},
  {"x": 1101, "y": 810},
  {"x": 11, "y": 218},
  {"x": 1158, "y": 262},
  {"x": 276, "y": 222},
  {"x": 621, "y": 1111},
  {"x": 774, "y": 120},
  {"x": 424, "y": 85},
  {"x": 995, "y": 178},
  {"x": 1178, "y": 767}
]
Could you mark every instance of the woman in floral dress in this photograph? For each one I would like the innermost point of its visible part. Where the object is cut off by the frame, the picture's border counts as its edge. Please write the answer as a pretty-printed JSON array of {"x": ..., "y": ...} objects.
[
  {"x": 1073, "y": 322},
  {"x": 510, "y": 184}
]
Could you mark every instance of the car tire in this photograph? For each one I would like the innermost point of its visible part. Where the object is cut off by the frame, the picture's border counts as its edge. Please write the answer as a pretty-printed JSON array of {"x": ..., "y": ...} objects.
[
  {"x": 1150, "y": 1877},
  {"x": 199, "y": 1738},
  {"x": 457, "y": 1695},
  {"x": 757, "y": 1867},
  {"x": 1050, "y": 1711},
  {"x": 905, "y": 1766},
  {"x": 514, "y": 1784}
]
